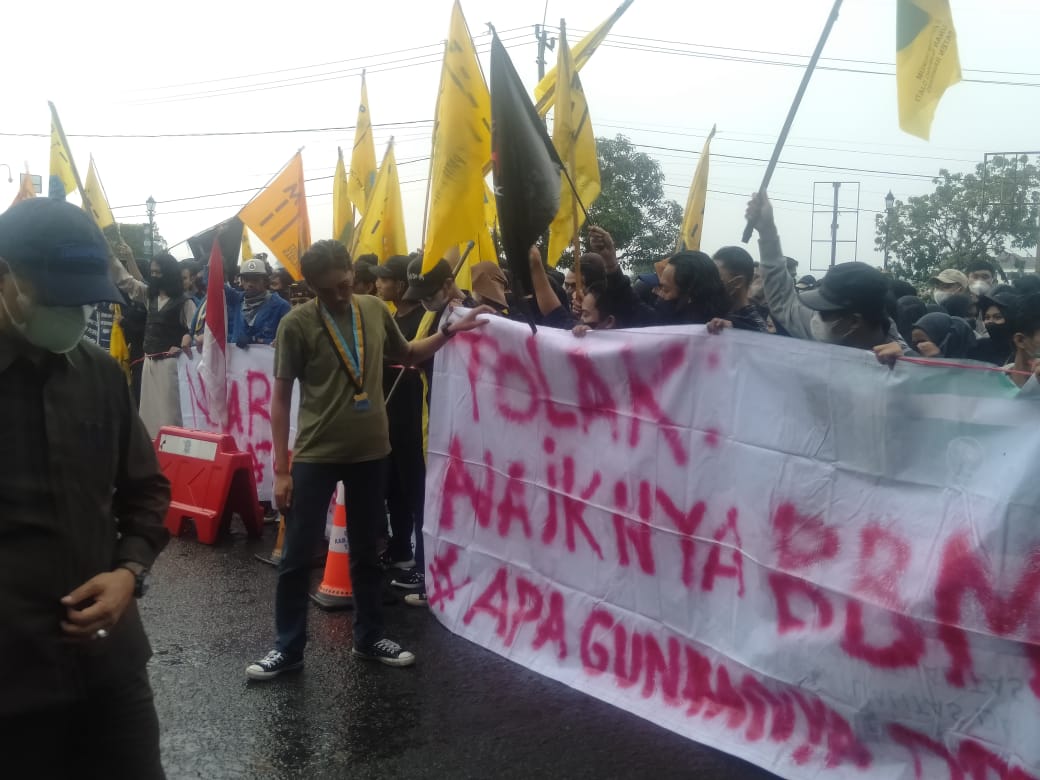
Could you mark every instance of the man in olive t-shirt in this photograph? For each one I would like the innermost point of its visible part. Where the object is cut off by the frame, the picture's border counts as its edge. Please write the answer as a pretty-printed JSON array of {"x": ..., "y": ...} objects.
[{"x": 334, "y": 347}]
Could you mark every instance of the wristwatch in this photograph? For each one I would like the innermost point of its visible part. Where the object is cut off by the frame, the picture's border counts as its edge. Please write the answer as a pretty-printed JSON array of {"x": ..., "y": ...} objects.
[
  {"x": 446, "y": 330},
  {"x": 140, "y": 577}
]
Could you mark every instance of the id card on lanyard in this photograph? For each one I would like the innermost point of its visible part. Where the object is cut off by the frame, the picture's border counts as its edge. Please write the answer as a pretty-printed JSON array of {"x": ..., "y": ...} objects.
[{"x": 351, "y": 356}]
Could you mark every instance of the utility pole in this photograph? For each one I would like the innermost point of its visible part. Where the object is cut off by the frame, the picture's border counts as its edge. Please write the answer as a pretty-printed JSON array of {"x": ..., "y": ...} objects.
[
  {"x": 544, "y": 42},
  {"x": 834, "y": 225}
]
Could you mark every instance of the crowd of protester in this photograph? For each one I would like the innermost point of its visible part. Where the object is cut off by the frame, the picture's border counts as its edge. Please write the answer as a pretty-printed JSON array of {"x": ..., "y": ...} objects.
[{"x": 357, "y": 340}]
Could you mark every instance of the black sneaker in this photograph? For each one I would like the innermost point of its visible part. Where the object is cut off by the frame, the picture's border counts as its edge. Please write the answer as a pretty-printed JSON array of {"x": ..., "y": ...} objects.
[
  {"x": 272, "y": 665},
  {"x": 389, "y": 563},
  {"x": 410, "y": 580},
  {"x": 386, "y": 652}
]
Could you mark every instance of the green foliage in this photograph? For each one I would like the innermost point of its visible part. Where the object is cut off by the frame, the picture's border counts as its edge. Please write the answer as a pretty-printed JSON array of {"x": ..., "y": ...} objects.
[
  {"x": 968, "y": 217},
  {"x": 632, "y": 206},
  {"x": 136, "y": 237}
]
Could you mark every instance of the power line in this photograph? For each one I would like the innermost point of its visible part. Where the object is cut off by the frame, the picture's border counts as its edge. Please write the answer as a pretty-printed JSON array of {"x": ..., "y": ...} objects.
[
  {"x": 439, "y": 47},
  {"x": 317, "y": 78},
  {"x": 287, "y": 131}
]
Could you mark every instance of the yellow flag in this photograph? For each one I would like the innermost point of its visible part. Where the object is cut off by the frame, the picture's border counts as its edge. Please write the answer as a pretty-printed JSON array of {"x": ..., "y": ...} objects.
[
  {"x": 63, "y": 176},
  {"x": 485, "y": 249},
  {"x": 575, "y": 142},
  {"x": 97, "y": 201},
  {"x": 461, "y": 147},
  {"x": 342, "y": 209},
  {"x": 247, "y": 249},
  {"x": 278, "y": 216},
  {"x": 363, "y": 159},
  {"x": 381, "y": 231},
  {"x": 693, "y": 218},
  {"x": 545, "y": 92},
  {"x": 117, "y": 346},
  {"x": 927, "y": 62}
]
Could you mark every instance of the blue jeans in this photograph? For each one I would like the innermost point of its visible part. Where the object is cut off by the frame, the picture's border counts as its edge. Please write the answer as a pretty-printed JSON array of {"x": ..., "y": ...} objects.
[{"x": 313, "y": 487}]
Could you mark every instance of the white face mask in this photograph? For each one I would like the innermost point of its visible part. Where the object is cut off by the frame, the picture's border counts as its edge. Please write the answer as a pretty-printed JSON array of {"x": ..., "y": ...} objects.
[
  {"x": 940, "y": 296},
  {"x": 980, "y": 287},
  {"x": 821, "y": 331},
  {"x": 56, "y": 329}
]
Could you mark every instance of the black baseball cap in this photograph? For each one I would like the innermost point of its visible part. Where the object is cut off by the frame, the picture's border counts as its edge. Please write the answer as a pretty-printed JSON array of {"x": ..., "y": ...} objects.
[
  {"x": 423, "y": 285},
  {"x": 853, "y": 287},
  {"x": 395, "y": 268},
  {"x": 1002, "y": 300},
  {"x": 59, "y": 249}
]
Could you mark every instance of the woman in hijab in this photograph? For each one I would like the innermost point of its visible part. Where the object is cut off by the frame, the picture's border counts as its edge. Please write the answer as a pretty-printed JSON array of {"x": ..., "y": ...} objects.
[
  {"x": 938, "y": 335},
  {"x": 998, "y": 348},
  {"x": 908, "y": 310}
]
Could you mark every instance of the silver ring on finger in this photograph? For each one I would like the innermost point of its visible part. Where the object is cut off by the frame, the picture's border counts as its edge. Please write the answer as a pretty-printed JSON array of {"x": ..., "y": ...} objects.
[{"x": 100, "y": 634}]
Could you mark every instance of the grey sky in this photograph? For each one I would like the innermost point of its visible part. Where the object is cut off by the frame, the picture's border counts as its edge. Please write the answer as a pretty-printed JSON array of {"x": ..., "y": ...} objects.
[{"x": 119, "y": 67}]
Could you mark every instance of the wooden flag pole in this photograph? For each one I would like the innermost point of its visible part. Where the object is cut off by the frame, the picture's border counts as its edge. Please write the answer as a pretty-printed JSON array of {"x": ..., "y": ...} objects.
[
  {"x": 749, "y": 228},
  {"x": 579, "y": 284}
]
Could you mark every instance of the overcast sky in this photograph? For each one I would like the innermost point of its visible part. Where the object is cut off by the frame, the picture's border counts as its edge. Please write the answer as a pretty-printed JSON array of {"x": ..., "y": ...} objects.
[{"x": 669, "y": 71}]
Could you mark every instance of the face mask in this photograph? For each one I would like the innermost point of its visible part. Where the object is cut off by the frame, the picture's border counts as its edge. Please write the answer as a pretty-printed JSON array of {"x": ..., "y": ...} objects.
[
  {"x": 999, "y": 334},
  {"x": 980, "y": 288},
  {"x": 155, "y": 285},
  {"x": 941, "y": 297},
  {"x": 824, "y": 331},
  {"x": 436, "y": 303},
  {"x": 56, "y": 329},
  {"x": 666, "y": 310}
]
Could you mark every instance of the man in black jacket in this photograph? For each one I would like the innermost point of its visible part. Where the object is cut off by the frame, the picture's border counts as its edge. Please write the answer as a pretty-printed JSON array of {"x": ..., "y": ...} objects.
[{"x": 82, "y": 501}]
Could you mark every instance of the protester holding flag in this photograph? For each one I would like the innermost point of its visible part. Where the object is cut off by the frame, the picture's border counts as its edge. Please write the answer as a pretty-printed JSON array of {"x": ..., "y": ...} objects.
[
  {"x": 258, "y": 311},
  {"x": 167, "y": 329},
  {"x": 737, "y": 269},
  {"x": 335, "y": 348}
]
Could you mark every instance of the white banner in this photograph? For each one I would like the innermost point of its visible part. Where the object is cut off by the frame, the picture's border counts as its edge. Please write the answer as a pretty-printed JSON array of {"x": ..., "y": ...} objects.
[
  {"x": 771, "y": 546},
  {"x": 250, "y": 377}
]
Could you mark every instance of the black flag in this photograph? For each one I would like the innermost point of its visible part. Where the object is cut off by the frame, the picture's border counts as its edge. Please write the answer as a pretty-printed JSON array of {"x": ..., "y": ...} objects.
[
  {"x": 230, "y": 232},
  {"x": 526, "y": 167}
]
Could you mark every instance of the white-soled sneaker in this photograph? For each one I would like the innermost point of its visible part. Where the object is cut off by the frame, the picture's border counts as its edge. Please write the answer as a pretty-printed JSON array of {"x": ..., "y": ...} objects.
[
  {"x": 386, "y": 651},
  {"x": 272, "y": 665}
]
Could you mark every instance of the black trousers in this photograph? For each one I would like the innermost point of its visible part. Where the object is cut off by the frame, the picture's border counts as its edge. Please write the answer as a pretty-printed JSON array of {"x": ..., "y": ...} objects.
[
  {"x": 112, "y": 733},
  {"x": 405, "y": 496},
  {"x": 313, "y": 486}
]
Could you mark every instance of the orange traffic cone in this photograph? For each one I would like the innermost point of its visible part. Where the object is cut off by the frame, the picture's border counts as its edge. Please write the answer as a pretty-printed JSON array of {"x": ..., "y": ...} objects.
[{"x": 336, "y": 590}]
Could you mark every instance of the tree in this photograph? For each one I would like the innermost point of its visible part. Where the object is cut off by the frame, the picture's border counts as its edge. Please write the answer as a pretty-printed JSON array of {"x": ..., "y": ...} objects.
[
  {"x": 136, "y": 237},
  {"x": 968, "y": 217},
  {"x": 632, "y": 206}
]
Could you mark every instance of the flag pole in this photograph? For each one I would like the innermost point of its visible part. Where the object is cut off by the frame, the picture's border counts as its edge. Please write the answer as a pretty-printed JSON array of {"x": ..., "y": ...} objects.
[
  {"x": 749, "y": 228},
  {"x": 268, "y": 184}
]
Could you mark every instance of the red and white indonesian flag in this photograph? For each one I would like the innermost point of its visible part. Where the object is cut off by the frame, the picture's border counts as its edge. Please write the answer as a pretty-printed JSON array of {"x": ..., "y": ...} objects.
[{"x": 213, "y": 369}]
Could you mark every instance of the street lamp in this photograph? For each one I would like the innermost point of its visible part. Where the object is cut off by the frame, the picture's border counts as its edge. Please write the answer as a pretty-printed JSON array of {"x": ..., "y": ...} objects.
[
  {"x": 890, "y": 204},
  {"x": 150, "y": 206}
]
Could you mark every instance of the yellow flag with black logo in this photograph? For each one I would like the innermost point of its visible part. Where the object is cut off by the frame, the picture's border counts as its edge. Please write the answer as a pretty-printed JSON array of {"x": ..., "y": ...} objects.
[
  {"x": 381, "y": 231},
  {"x": 927, "y": 62},
  {"x": 545, "y": 92},
  {"x": 362, "y": 179},
  {"x": 278, "y": 216},
  {"x": 461, "y": 147},
  {"x": 575, "y": 142},
  {"x": 342, "y": 208}
]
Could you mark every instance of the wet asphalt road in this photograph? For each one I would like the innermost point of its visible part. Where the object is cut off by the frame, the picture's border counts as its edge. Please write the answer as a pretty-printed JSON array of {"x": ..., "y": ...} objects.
[{"x": 461, "y": 712}]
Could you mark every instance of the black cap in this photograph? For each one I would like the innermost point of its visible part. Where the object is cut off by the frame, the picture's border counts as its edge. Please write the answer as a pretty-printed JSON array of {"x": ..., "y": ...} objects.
[
  {"x": 60, "y": 250},
  {"x": 1002, "y": 300},
  {"x": 395, "y": 268},
  {"x": 422, "y": 285},
  {"x": 853, "y": 287}
]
